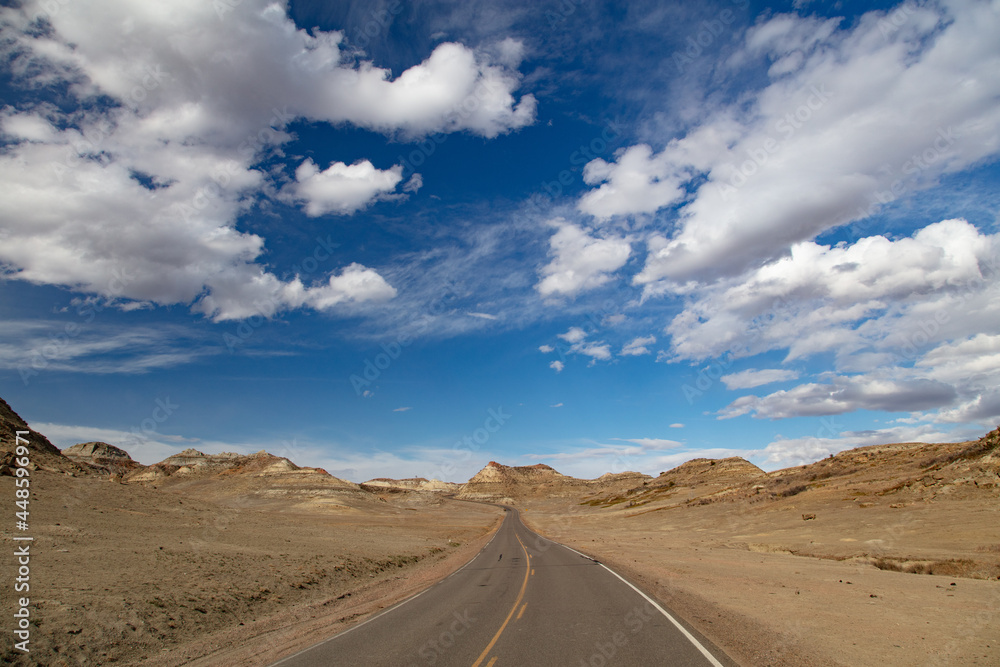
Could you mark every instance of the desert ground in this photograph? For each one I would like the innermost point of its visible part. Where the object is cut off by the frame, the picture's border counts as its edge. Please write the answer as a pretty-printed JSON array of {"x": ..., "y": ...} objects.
[
  {"x": 886, "y": 554},
  {"x": 129, "y": 574},
  {"x": 843, "y": 573}
]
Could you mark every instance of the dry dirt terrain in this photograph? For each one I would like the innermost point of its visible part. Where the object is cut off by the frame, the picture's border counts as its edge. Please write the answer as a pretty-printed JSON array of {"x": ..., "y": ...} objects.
[
  {"x": 126, "y": 574},
  {"x": 879, "y": 555},
  {"x": 882, "y": 555},
  {"x": 212, "y": 559}
]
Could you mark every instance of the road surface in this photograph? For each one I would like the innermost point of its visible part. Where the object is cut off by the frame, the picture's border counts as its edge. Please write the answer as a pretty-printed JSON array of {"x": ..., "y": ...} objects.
[{"x": 522, "y": 601}]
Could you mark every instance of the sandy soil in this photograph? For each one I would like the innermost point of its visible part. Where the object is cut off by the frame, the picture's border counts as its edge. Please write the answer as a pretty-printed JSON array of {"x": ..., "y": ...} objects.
[
  {"x": 129, "y": 574},
  {"x": 772, "y": 588}
]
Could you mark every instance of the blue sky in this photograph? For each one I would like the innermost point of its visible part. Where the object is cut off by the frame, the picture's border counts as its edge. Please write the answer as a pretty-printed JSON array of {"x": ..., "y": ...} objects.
[{"x": 404, "y": 239}]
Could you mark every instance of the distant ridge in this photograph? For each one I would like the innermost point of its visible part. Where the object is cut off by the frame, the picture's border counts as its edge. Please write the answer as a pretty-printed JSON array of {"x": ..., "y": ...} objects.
[
  {"x": 44, "y": 455},
  {"x": 103, "y": 457},
  {"x": 500, "y": 483}
]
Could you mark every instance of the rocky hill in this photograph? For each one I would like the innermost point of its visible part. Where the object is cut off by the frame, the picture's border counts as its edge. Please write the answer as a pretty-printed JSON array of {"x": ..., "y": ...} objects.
[
  {"x": 500, "y": 483},
  {"x": 260, "y": 478},
  {"x": 43, "y": 454},
  {"x": 103, "y": 457},
  {"x": 900, "y": 473},
  {"x": 411, "y": 484}
]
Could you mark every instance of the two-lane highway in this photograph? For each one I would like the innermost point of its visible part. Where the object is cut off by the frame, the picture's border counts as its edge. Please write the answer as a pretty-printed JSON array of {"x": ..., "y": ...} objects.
[{"x": 524, "y": 600}]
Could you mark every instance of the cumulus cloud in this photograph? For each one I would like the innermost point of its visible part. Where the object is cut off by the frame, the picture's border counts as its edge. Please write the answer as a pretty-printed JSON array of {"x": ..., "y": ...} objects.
[
  {"x": 845, "y": 394},
  {"x": 755, "y": 378},
  {"x": 341, "y": 188},
  {"x": 851, "y": 118},
  {"x": 653, "y": 443},
  {"x": 579, "y": 261},
  {"x": 637, "y": 346},
  {"x": 557, "y": 366},
  {"x": 577, "y": 338},
  {"x": 136, "y": 198},
  {"x": 635, "y": 183},
  {"x": 917, "y": 311},
  {"x": 546, "y": 349},
  {"x": 813, "y": 300},
  {"x": 573, "y": 335},
  {"x": 787, "y": 452}
]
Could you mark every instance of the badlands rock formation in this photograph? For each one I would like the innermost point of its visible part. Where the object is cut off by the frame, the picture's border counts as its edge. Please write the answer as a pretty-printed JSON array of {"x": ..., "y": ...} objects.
[
  {"x": 102, "y": 457},
  {"x": 499, "y": 483},
  {"x": 411, "y": 484}
]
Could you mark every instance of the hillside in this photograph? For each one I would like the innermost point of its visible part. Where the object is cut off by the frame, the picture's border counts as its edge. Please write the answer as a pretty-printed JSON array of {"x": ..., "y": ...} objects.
[
  {"x": 259, "y": 478},
  {"x": 500, "y": 483},
  {"x": 380, "y": 484},
  {"x": 44, "y": 455},
  {"x": 103, "y": 458}
]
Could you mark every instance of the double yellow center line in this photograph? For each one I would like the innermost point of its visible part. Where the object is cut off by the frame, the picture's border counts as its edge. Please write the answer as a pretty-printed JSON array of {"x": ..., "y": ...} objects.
[{"x": 520, "y": 596}]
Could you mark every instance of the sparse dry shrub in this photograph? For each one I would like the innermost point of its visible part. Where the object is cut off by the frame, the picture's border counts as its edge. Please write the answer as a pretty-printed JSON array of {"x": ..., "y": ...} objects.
[{"x": 793, "y": 491}]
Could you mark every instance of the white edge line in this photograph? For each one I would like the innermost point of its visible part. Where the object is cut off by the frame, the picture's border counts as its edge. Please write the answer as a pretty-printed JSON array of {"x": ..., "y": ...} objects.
[
  {"x": 392, "y": 608},
  {"x": 697, "y": 644}
]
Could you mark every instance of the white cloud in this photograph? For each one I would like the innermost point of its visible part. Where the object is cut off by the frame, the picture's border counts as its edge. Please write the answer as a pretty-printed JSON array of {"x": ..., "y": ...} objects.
[
  {"x": 678, "y": 425},
  {"x": 916, "y": 312},
  {"x": 404, "y": 409},
  {"x": 653, "y": 443},
  {"x": 580, "y": 262},
  {"x": 754, "y": 378},
  {"x": 415, "y": 183},
  {"x": 142, "y": 444},
  {"x": 851, "y": 118},
  {"x": 341, "y": 188},
  {"x": 635, "y": 183},
  {"x": 557, "y": 366},
  {"x": 484, "y": 316},
  {"x": 557, "y": 405},
  {"x": 788, "y": 452},
  {"x": 35, "y": 347},
  {"x": 138, "y": 201},
  {"x": 239, "y": 295},
  {"x": 596, "y": 351},
  {"x": 546, "y": 349},
  {"x": 576, "y": 337},
  {"x": 637, "y": 346},
  {"x": 573, "y": 335},
  {"x": 845, "y": 394},
  {"x": 813, "y": 300}
]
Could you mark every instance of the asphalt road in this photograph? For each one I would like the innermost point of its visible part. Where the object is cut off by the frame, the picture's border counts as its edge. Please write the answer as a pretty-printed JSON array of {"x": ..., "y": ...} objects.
[{"x": 522, "y": 601}]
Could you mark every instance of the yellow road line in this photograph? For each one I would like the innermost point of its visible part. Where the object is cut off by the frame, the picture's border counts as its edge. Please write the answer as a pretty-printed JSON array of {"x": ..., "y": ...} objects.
[
  {"x": 521, "y": 613},
  {"x": 520, "y": 596},
  {"x": 532, "y": 571},
  {"x": 490, "y": 663}
]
